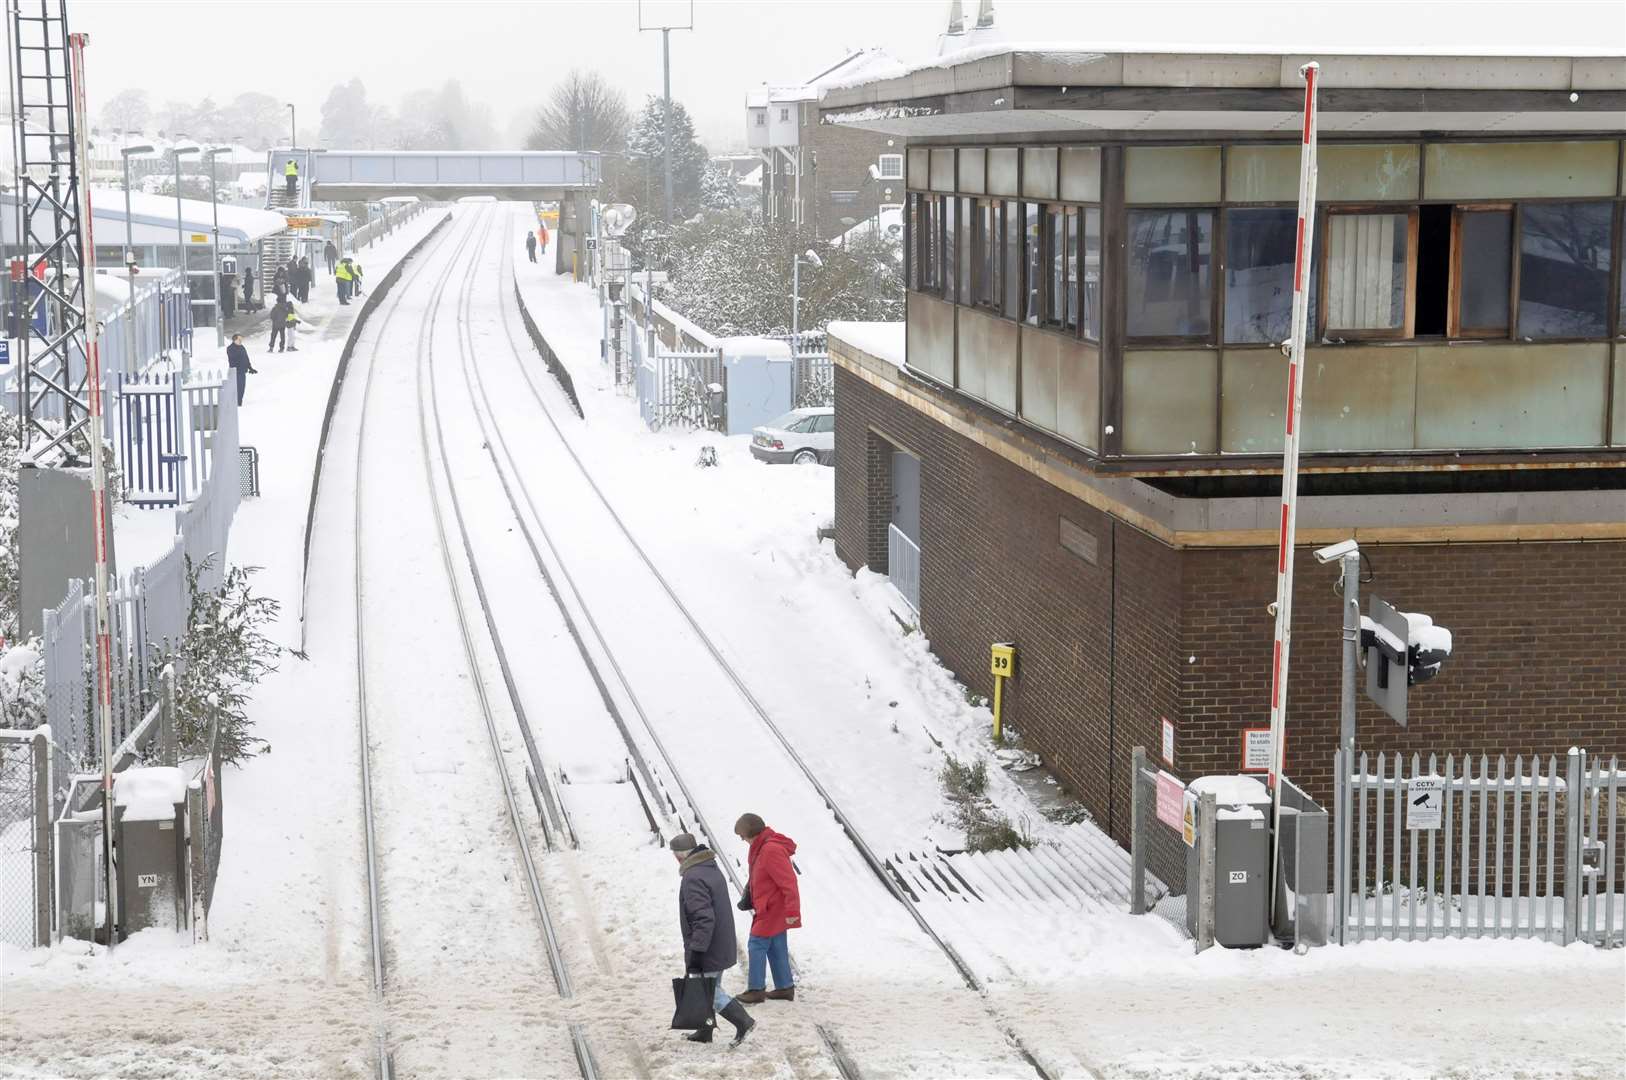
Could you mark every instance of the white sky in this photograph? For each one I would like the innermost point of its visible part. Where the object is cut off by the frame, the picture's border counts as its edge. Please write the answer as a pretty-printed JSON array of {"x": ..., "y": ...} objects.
[{"x": 508, "y": 54}]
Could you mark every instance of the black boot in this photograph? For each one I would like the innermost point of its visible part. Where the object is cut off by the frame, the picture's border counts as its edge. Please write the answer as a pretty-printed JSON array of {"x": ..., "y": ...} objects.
[
  {"x": 703, "y": 1035},
  {"x": 735, "y": 1014}
]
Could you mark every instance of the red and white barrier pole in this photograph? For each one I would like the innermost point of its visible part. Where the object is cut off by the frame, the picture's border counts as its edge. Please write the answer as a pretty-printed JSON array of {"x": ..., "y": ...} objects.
[
  {"x": 1290, "y": 469},
  {"x": 98, "y": 466}
]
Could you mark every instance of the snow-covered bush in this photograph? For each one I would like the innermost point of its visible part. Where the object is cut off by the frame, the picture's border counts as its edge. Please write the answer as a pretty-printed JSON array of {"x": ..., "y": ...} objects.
[
  {"x": 22, "y": 686},
  {"x": 224, "y": 654}
]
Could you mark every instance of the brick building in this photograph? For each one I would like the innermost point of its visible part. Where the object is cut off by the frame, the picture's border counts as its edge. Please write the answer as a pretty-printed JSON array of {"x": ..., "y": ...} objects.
[
  {"x": 1076, "y": 447},
  {"x": 818, "y": 177}
]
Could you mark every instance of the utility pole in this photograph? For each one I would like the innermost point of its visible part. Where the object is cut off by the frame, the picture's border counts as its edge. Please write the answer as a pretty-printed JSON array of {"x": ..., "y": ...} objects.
[
  {"x": 214, "y": 243},
  {"x": 666, "y": 65},
  {"x": 129, "y": 252},
  {"x": 180, "y": 253}
]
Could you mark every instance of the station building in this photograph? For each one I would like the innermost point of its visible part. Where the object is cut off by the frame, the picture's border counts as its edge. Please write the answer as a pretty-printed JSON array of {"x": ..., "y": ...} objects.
[{"x": 1078, "y": 446}]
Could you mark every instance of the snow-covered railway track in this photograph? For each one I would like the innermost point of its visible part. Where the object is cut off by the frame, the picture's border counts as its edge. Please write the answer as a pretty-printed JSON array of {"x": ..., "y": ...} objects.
[
  {"x": 601, "y": 654},
  {"x": 381, "y": 951}
]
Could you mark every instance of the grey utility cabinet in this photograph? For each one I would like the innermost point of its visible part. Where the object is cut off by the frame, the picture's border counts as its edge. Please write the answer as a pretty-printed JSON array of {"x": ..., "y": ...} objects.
[{"x": 1241, "y": 861}]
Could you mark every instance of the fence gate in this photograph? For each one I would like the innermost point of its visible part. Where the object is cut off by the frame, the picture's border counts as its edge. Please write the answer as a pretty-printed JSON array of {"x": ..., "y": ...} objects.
[
  {"x": 25, "y": 850},
  {"x": 154, "y": 453},
  {"x": 1475, "y": 848}
]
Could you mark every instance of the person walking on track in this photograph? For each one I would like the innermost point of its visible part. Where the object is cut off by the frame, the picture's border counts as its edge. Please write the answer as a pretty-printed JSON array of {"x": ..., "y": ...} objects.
[
  {"x": 773, "y": 894},
  {"x": 709, "y": 944},
  {"x": 237, "y": 357}
]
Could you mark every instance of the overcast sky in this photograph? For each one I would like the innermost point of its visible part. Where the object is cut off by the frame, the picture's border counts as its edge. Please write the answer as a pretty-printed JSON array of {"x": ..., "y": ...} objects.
[{"x": 508, "y": 54}]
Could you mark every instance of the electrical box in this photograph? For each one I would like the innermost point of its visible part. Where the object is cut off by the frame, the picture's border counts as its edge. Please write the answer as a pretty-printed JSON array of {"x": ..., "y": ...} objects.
[
  {"x": 1241, "y": 861},
  {"x": 150, "y": 843}
]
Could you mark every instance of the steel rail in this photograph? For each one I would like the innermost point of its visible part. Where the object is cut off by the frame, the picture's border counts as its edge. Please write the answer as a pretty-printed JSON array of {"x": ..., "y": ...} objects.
[{"x": 875, "y": 864}]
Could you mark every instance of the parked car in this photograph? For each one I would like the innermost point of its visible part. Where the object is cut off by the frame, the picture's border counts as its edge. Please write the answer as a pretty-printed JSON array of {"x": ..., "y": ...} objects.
[{"x": 803, "y": 436}]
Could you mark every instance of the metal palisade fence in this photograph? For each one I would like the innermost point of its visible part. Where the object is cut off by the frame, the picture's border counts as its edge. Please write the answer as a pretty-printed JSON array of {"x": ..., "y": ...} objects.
[
  {"x": 149, "y": 606},
  {"x": 1466, "y": 847}
]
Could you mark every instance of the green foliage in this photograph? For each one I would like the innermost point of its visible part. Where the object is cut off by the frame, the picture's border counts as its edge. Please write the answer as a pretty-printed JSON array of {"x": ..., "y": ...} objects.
[
  {"x": 224, "y": 654},
  {"x": 985, "y": 829}
]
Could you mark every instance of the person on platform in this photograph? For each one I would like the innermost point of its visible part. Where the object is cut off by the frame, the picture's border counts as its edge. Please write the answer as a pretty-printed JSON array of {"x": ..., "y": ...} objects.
[
  {"x": 248, "y": 285},
  {"x": 292, "y": 321},
  {"x": 707, "y": 924},
  {"x": 343, "y": 277},
  {"x": 290, "y": 177},
  {"x": 331, "y": 254},
  {"x": 530, "y": 245},
  {"x": 237, "y": 357},
  {"x": 300, "y": 279},
  {"x": 355, "y": 279},
  {"x": 542, "y": 235},
  {"x": 279, "y": 325}
]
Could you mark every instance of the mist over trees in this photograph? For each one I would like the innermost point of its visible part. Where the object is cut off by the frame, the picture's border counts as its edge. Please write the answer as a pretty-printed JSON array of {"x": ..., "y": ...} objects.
[
  {"x": 443, "y": 118},
  {"x": 584, "y": 112}
]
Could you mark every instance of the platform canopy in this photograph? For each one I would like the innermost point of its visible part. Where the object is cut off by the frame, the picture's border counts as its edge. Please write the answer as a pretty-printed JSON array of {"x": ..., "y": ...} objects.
[
  {"x": 364, "y": 175},
  {"x": 152, "y": 220}
]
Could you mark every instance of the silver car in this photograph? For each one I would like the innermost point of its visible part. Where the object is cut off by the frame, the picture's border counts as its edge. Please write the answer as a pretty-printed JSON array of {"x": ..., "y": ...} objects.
[{"x": 802, "y": 436}]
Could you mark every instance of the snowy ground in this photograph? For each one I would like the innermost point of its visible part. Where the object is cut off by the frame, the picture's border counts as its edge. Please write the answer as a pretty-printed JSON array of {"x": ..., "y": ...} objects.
[{"x": 283, "y": 987}]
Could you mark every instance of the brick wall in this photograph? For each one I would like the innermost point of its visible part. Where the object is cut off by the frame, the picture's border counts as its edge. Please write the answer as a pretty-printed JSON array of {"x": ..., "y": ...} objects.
[{"x": 1106, "y": 651}]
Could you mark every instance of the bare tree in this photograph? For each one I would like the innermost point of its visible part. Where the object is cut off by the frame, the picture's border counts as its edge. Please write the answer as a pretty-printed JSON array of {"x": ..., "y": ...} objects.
[
  {"x": 584, "y": 112},
  {"x": 128, "y": 110}
]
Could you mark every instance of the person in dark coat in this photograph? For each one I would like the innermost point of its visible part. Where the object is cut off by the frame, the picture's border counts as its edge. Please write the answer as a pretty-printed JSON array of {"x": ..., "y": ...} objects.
[
  {"x": 302, "y": 280},
  {"x": 707, "y": 923},
  {"x": 237, "y": 357},
  {"x": 279, "y": 282},
  {"x": 530, "y": 245},
  {"x": 248, "y": 285},
  {"x": 279, "y": 324},
  {"x": 331, "y": 254},
  {"x": 773, "y": 894}
]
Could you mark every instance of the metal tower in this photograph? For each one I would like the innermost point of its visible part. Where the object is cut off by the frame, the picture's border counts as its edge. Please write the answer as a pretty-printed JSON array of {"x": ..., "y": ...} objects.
[{"x": 47, "y": 272}]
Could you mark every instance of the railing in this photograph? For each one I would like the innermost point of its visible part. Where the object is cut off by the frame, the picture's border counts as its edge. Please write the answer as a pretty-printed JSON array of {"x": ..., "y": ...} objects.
[
  {"x": 168, "y": 434},
  {"x": 682, "y": 389},
  {"x": 1460, "y": 851},
  {"x": 149, "y": 608},
  {"x": 903, "y": 565},
  {"x": 25, "y": 848},
  {"x": 363, "y": 235}
]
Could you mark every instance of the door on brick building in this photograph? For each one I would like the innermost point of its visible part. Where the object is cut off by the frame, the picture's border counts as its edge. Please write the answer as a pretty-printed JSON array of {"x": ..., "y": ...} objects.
[{"x": 903, "y": 531}]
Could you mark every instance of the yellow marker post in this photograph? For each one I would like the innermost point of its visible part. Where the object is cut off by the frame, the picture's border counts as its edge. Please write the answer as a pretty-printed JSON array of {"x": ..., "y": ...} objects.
[{"x": 1003, "y": 665}]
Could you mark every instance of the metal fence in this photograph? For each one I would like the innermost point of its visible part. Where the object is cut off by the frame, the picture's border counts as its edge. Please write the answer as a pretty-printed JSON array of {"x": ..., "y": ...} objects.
[
  {"x": 815, "y": 372},
  {"x": 206, "y": 818},
  {"x": 1466, "y": 849},
  {"x": 363, "y": 235},
  {"x": 903, "y": 565},
  {"x": 148, "y": 608},
  {"x": 682, "y": 389},
  {"x": 25, "y": 849}
]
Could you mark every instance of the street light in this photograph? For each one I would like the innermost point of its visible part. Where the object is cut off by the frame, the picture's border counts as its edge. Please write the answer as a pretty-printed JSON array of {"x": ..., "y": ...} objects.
[
  {"x": 214, "y": 241},
  {"x": 812, "y": 259},
  {"x": 293, "y": 128},
  {"x": 180, "y": 251},
  {"x": 129, "y": 251}
]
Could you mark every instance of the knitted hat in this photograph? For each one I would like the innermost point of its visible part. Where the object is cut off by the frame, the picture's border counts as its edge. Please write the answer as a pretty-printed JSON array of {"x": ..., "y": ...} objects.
[{"x": 683, "y": 842}]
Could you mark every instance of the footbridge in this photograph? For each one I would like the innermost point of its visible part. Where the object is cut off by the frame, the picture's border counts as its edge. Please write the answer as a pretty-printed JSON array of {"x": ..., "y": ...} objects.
[{"x": 364, "y": 175}]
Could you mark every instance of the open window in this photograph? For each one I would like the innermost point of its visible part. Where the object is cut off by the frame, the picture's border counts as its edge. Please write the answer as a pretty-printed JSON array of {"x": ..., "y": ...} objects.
[{"x": 1481, "y": 271}]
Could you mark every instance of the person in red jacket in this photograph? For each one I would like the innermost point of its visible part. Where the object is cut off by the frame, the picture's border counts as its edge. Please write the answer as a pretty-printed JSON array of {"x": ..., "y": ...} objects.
[{"x": 770, "y": 891}]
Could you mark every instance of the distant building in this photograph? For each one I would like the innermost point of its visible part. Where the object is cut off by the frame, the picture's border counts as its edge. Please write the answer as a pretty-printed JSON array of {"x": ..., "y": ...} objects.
[
  {"x": 1078, "y": 444},
  {"x": 821, "y": 178}
]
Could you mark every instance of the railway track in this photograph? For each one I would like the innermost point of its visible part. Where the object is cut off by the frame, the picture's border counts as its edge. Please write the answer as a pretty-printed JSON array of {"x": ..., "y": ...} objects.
[
  {"x": 581, "y": 1048},
  {"x": 590, "y": 640}
]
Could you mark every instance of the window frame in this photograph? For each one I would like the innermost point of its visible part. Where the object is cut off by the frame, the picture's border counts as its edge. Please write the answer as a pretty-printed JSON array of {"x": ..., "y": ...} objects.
[
  {"x": 1216, "y": 239},
  {"x": 880, "y": 165},
  {"x": 987, "y": 229},
  {"x": 1406, "y": 331},
  {"x": 1617, "y": 249},
  {"x": 1454, "y": 330}
]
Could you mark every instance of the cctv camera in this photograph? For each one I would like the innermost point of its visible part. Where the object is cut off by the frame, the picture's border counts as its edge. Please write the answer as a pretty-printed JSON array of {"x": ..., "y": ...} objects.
[{"x": 1337, "y": 551}]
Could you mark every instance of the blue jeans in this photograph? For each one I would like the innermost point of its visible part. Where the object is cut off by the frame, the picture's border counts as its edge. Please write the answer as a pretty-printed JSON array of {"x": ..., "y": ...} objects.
[
  {"x": 720, "y": 999},
  {"x": 772, "y": 952}
]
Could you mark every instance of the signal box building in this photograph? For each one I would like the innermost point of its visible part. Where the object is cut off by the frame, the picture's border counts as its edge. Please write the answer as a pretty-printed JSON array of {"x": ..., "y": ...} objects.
[{"x": 1076, "y": 443}]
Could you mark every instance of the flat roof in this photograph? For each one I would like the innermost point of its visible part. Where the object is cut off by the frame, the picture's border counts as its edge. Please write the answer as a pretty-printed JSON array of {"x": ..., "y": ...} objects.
[{"x": 1021, "y": 89}]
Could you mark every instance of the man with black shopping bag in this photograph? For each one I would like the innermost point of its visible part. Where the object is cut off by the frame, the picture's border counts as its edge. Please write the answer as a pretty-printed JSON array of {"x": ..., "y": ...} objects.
[{"x": 709, "y": 947}]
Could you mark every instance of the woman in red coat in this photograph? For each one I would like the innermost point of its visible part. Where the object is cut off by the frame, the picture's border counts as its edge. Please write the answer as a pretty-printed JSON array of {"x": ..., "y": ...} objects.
[{"x": 771, "y": 892}]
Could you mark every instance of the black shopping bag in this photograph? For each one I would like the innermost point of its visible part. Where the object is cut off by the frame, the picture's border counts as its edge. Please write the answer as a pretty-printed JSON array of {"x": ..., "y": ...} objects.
[{"x": 692, "y": 998}]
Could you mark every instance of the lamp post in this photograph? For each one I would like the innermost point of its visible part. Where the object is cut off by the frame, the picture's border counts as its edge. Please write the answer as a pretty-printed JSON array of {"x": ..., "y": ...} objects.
[
  {"x": 214, "y": 241},
  {"x": 812, "y": 259},
  {"x": 293, "y": 128},
  {"x": 129, "y": 251},
  {"x": 180, "y": 252}
]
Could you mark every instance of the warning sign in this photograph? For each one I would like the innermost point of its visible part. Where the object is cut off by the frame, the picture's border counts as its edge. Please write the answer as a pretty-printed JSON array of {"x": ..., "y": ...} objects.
[
  {"x": 1425, "y": 802},
  {"x": 1256, "y": 749},
  {"x": 1188, "y": 821},
  {"x": 1170, "y": 797}
]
